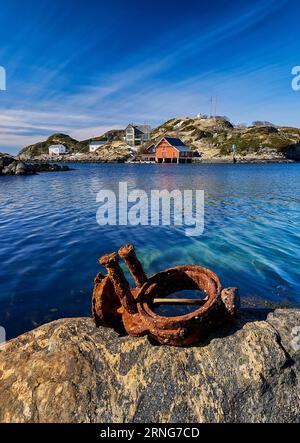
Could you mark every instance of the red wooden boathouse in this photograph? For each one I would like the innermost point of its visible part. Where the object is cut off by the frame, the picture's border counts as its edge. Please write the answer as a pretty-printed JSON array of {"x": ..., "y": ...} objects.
[
  {"x": 172, "y": 150},
  {"x": 168, "y": 150}
]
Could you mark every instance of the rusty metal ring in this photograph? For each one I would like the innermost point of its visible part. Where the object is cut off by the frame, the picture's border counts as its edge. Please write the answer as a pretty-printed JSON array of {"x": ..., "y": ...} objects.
[
  {"x": 114, "y": 302},
  {"x": 169, "y": 281}
]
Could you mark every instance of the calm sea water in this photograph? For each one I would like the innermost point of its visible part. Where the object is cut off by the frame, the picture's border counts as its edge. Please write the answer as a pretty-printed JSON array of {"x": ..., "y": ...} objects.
[{"x": 50, "y": 241}]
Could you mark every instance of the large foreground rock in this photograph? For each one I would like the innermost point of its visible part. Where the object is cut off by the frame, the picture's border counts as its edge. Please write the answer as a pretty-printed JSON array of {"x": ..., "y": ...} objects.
[{"x": 69, "y": 371}]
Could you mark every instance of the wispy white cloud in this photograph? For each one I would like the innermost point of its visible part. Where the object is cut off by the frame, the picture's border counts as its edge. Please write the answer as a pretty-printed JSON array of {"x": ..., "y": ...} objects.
[{"x": 135, "y": 89}]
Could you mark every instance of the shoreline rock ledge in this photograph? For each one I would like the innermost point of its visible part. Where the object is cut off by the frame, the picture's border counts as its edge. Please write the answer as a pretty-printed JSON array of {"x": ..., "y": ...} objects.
[
  {"x": 70, "y": 371},
  {"x": 10, "y": 165}
]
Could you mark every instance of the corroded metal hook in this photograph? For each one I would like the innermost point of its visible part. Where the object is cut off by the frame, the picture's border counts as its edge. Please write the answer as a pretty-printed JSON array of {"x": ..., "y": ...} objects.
[
  {"x": 127, "y": 253},
  {"x": 121, "y": 286}
]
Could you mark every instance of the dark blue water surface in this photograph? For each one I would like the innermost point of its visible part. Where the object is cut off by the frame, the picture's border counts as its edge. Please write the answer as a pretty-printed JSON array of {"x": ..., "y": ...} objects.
[{"x": 50, "y": 241}]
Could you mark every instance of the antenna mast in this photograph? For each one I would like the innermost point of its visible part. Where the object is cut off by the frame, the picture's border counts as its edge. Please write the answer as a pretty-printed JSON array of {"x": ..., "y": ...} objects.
[
  {"x": 211, "y": 106},
  {"x": 216, "y": 104}
]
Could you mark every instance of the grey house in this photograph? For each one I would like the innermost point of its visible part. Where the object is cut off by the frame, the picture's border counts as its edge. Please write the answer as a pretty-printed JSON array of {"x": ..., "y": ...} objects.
[{"x": 136, "y": 135}]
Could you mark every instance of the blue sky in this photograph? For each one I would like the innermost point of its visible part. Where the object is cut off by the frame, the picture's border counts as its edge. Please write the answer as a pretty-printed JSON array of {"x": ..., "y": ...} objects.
[{"x": 82, "y": 67}]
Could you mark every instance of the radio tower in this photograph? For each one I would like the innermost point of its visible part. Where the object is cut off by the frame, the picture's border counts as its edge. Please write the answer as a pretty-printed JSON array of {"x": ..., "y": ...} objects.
[
  {"x": 213, "y": 106},
  {"x": 216, "y": 105}
]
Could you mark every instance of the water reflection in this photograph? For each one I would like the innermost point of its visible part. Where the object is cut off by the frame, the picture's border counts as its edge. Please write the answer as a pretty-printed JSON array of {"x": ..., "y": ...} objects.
[
  {"x": 173, "y": 309},
  {"x": 50, "y": 241}
]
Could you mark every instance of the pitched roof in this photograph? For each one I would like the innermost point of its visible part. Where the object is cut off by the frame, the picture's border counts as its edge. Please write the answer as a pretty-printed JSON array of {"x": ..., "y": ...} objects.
[
  {"x": 149, "y": 146},
  {"x": 145, "y": 129},
  {"x": 174, "y": 141},
  {"x": 177, "y": 144},
  {"x": 99, "y": 142}
]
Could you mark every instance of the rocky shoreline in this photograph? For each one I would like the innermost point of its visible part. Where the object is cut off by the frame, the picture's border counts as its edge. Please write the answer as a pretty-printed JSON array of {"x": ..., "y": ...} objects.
[
  {"x": 211, "y": 139},
  {"x": 13, "y": 166},
  {"x": 71, "y": 371},
  {"x": 90, "y": 158}
]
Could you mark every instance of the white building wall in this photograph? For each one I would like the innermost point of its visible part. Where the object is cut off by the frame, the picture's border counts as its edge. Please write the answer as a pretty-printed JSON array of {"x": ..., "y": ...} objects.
[
  {"x": 57, "y": 149},
  {"x": 93, "y": 147}
]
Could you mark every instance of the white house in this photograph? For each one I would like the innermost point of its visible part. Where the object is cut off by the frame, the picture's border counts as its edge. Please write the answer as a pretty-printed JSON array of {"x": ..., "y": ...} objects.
[
  {"x": 57, "y": 150},
  {"x": 93, "y": 146}
]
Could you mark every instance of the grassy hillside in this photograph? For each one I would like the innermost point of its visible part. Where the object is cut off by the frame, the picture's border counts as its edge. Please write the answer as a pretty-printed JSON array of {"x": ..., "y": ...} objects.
[
  {"x": 115, "y": 151},
  {"x": 109, "y": 136},
  {"x": 42, "y": 147},
  {"x": 214, "y": 138},
  {"x": 71, "y": 144}
]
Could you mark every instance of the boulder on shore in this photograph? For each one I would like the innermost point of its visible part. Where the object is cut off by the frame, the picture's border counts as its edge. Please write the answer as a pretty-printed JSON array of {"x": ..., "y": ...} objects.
[
  {"x": 70, "y": 371},
  {"x": 10, "y": 165}
]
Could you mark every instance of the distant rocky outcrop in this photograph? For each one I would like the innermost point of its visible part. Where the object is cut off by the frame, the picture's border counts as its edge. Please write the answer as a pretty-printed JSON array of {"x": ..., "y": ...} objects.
[
  {"x": 10, "y": 165},
  {"x": 211, "y": 138},
  {"x": 42, "y": 148},
  {"x": 70, "y": 371},
  {"x": 109, "y": 136},
  {"x": 214, "y": 137},
  {"x": 115, "y": 151}
]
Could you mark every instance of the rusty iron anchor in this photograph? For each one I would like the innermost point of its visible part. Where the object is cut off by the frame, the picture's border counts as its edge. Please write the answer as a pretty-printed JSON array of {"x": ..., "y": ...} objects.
[{"x": 115, "y": 304}]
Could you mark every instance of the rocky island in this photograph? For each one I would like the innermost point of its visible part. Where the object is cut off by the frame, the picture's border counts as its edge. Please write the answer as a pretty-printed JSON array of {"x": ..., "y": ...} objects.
[
  {"x": 71, "y": 371},
  {"x": 210, "y": 139},
  {"x": 10, "y": 165}
]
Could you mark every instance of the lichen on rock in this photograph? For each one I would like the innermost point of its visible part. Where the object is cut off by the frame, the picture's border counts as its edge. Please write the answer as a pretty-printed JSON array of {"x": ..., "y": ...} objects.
[{"x": 71, "y": 371}]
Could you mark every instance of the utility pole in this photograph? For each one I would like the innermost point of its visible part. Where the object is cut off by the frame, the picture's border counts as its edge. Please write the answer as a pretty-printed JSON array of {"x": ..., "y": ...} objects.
[
  {"x": 211, "y": 106},
  {"x": 216, "y": 102}
]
